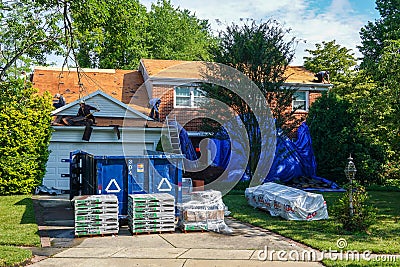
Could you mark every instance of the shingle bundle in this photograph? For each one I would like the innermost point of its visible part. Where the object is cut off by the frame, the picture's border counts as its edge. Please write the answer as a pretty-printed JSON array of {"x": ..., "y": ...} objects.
[
  {"x": 149, "y": 213},
  {"x": 96, "y": 215}
]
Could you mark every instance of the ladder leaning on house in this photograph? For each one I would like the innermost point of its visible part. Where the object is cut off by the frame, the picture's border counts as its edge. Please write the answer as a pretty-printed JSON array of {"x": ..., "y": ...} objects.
[{"x": 173, "y": 134}]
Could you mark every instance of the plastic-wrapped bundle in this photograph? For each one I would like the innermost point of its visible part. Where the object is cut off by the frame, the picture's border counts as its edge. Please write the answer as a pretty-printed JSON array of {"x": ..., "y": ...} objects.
[
  {"x": 205, "y": 211},
  {"x": 287, "y": 202}
]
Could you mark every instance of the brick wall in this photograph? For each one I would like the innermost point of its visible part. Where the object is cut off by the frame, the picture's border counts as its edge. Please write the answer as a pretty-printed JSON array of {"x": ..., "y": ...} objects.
[
  {"x": 189, "y": 117},
  {"x": 185, "y": 115}
]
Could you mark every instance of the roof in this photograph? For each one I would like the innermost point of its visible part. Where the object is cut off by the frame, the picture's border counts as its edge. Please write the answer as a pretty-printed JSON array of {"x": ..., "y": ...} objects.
[
  {"x": 128, "y": 86},
  {"x": 120, "y": 84},
  {"x": 193, "y": 70},
  {"x": 298, "y": 74},
  {"x": 174, "y": 68},
  {"x": 112, "y": 112}
]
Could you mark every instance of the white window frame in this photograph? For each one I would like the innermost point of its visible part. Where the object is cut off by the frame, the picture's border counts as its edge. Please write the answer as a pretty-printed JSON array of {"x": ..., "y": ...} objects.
[
  {"x": 307, "y": 104},
  {"x": 192, "y": 89}
]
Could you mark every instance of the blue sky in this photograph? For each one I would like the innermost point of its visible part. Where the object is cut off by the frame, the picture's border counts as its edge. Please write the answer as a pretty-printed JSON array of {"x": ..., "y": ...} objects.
[{"x": 311, "y": 21}]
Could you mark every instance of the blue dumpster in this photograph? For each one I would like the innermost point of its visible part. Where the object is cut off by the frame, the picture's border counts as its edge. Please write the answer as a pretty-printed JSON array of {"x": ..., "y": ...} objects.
[{"x": 124, "y": 175}]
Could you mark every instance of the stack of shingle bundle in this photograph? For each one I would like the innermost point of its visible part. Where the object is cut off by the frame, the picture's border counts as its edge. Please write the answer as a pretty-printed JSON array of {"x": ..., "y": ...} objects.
[
  {"x": 148, "y": 213},
  {"x": 96, "y": 215}
]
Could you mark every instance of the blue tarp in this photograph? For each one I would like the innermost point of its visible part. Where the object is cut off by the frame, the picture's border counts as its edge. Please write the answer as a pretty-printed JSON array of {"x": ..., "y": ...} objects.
[
  {"x": 292, "y": 159},
  {"x": 186, "y": 145}
]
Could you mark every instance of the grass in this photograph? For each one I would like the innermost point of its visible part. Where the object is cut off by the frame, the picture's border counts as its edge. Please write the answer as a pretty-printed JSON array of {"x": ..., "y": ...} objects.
[
  {"x": 18, "y": 228},
  {"x": 322, "y": 235},
  {"x": 342, "y": 263},
  {"x": 10, "y": 256}
]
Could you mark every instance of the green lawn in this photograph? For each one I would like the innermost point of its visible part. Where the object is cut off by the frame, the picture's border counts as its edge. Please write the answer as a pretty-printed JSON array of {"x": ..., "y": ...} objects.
[
  {"x": 17, "y": 228},
  {"x": 383, "y": 237}
]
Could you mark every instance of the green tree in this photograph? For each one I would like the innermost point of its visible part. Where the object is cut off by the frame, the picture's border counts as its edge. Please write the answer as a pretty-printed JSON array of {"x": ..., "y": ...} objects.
[
  {"x": 384, "y": 101},
  {"x": 338, "y": 128},
  {"x": 29, "y": 30},
  {"x": 109, "y": 34},
  {"x": 330, "y": 56},
  {"x": 262, "y": 52},
  {"x": 177, "y": 34},
  {"x": 117, "y": 34},
  {"x": 374, "y": 34},
  {"x": 380, "y": 47},
  {"x": 341, "y": 122},
  {"x": 24, "y": 137}
]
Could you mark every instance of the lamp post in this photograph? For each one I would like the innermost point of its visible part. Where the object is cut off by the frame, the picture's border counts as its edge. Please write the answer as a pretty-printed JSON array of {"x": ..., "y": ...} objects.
[{"x": 350, "y": 172}]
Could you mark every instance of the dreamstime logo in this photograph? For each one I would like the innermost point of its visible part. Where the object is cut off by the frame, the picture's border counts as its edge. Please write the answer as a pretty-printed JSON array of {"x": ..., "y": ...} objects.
[
  {"x": 341, "y": 243},
  {"x": 164, "y": 85},
  {"x": 268, "y": 254}
]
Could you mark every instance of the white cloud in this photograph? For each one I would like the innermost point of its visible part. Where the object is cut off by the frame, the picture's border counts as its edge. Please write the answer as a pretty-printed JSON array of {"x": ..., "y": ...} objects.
[{"x": 309, "y": 22}]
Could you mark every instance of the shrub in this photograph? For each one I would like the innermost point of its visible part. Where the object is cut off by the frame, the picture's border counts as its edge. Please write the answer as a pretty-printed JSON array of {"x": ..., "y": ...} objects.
[
  {"x": 24, "y": 137},
  {"x": 334, "y": 132},
  {"x": 364, "y": 215}
]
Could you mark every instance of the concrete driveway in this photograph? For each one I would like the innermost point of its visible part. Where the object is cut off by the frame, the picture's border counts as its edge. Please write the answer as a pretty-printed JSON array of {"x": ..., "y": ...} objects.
[{"x": 247, "y": 246}]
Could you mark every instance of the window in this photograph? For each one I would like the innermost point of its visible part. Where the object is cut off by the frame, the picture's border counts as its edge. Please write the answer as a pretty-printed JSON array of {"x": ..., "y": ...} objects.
[
  {"x": 300, "y": 101},
  {"x": 188, "y": 96}
]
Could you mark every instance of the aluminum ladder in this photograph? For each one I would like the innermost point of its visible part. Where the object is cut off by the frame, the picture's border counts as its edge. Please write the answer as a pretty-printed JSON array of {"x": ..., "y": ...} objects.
[{"x": 173, "y": 134}]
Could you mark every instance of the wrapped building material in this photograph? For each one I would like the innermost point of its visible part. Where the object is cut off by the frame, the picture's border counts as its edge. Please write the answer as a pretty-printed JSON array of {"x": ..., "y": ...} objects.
[
  {"x": 96, "y": 215},
  {"x": 149, "y": 213},
  {"x": 287, "y": 202},
  {"x": 205, "y": 211}
]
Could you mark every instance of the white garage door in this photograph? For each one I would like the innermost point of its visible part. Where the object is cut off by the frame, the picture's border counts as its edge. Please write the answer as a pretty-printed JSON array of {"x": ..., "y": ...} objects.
[{"x": 61, "y": 150}]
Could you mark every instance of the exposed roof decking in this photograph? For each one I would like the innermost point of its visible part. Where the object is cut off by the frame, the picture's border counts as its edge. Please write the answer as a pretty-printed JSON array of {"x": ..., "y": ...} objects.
[{"x": 120, "y": 84}]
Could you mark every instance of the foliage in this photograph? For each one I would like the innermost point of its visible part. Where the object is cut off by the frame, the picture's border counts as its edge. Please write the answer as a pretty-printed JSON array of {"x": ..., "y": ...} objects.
[
  {"x": 117, "y": 34},
  {"x": 387, "y": 95},
  {"x": 334, "y": 129},
  {"x": 177, "y": 34},
  {"x": 29, "y": 30},
  {"x": 110, "y": 34},
  {"x": 332, "y": 57},
  {"x": 348, "y": 119},
  {"x": 374, "y": 34},
  {"x": 363, "y": 214},
  {"x": 323, "y": 235},
  {"x": 24, "y": 137},
  {"x": 262, "y": 53}
]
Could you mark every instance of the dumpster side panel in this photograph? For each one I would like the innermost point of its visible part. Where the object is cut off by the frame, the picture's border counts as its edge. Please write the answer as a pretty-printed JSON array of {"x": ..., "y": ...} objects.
[
  {"x": 166, "y": 178},
  {"x": 138, "y": 175},
  {"x": 111, "y": 181}
]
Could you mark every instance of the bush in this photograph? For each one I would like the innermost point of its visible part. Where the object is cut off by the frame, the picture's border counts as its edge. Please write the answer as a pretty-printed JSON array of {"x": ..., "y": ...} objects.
[
  {"x": 24, "y": 137},
  {"x": 364, "y": 215},
  {"x": 333, "y": 128}
]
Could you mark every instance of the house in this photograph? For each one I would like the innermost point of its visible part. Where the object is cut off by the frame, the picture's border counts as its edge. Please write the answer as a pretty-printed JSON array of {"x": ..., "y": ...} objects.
[
  {"x": 122, "y": 124},
  {"x": 175, "y": 83}
]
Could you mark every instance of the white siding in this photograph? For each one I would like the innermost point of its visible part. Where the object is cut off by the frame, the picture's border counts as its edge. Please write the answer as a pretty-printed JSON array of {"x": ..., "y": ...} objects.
[
  {"x": 107, "y": 108},
  {"x": 103, "y": 142}
]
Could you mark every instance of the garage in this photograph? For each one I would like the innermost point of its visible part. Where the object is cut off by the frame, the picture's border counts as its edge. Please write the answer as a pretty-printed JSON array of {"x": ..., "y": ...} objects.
[{"x": 120, "y": 131}]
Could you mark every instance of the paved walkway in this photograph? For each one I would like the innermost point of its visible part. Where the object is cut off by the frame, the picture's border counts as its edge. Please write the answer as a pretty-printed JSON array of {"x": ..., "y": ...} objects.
[{"x": 242, "y": 248}]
